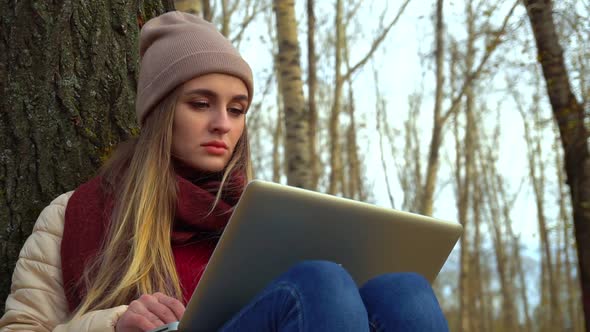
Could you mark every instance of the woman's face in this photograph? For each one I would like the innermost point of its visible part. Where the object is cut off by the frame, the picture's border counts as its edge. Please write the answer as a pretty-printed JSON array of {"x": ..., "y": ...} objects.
[{"x": 208, "y": 121}]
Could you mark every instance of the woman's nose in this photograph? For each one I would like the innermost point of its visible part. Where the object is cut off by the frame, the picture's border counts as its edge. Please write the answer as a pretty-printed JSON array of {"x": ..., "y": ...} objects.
[{"x": 220, "y": 121}]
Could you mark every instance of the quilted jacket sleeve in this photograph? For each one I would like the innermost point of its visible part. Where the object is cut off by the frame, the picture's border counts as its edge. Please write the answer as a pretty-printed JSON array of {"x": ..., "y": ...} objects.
[{"x": 37, "y": 301}]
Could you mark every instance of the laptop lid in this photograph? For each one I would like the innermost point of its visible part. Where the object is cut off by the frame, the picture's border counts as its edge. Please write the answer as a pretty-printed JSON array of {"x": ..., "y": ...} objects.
[{"x": 274, "y": 227}]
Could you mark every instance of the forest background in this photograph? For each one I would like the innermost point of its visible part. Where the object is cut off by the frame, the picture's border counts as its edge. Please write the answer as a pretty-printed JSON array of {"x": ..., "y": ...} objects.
[{"x": 469, "y": 110}]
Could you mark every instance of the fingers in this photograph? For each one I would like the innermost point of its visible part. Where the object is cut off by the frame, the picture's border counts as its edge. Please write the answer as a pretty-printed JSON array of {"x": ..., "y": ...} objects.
[
  {"x": 138, "y": 316},
  {"x": 149, "y": 312},
  {"x": 157, "y": 309},
  {"x": 173, "y": 304}
]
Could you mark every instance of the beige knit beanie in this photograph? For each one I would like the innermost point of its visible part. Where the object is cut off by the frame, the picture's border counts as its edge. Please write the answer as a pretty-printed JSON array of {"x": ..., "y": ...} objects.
[{"x": 176, "y": 47}]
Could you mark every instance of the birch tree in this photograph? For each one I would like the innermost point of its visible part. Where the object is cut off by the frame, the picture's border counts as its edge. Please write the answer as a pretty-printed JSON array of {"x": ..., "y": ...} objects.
[{"x": 296, "y": 123}]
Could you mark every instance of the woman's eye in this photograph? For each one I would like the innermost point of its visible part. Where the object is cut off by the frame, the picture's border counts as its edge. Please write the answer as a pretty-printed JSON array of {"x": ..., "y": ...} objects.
[
  {"x": 199, "y": 104},
  {"x": 235, "y": 111}
]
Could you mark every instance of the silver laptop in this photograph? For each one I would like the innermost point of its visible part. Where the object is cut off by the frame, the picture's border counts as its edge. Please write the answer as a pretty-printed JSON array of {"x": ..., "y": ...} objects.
[{"x": 274, "y": 227}]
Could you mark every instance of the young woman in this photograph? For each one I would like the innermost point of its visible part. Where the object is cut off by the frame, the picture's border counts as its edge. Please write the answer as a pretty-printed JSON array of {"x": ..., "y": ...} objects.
[{"x": 125, "y": 251}]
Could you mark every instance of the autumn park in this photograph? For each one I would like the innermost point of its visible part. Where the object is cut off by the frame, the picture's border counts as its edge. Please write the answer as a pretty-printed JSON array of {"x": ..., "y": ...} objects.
[{"x": 474, "y": 111}]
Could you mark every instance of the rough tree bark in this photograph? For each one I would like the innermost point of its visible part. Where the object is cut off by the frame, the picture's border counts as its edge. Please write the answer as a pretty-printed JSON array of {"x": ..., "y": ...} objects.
[
  {"x": 573, "y": 300},
  {"x": 67, "y": 89},
  {"x": 296, "y": 126},
  {"x": 570, "y": 117}
]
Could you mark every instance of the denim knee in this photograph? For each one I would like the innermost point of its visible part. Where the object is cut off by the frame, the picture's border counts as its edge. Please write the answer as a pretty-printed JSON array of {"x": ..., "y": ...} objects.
[
  {"x": 403, "y": 300},
  {"x": 328, "y": 278},
  {"x": 318, "y": 271},
  {"x": 328, "y": 294},
  {"x": 403, "y": 281}
]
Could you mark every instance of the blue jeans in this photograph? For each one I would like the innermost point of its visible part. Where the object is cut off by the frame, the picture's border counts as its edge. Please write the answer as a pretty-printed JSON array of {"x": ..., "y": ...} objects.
[{"x": 321, "y": 296}]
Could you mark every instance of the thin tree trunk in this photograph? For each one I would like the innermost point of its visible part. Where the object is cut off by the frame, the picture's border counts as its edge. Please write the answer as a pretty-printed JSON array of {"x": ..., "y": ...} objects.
[
  {"x": 67, "y": 88},
  {"x": 489, "y": 300},
  {"x": 432, "y": 166},
  {"x": 355, "y": 181},
  {"x": 545, "y": 305},
  {"x": 537, "y": 176},
  {"x": 410, "y": 174},
  {"x": 464, "y": 185},
  {"x": 296, "y": 126},
  {"x": 479, "y": 323},
  {"x": 463, "y": 188},
  {"x": 517, "y": 261},
  {"x": 225, "y": 17},
  {"x": 334, "y": 126},
  {"x": 336, "y": 175},
  {"x": 508, "y": 307},
  {"x": 439, "y": 119},
  {"x": 380, "y": 108},
  {"x": 311, "y": 97},
  {"x": 570, "y": 117},
  {"x": 277, "y": 142},
  {"x": 207, "y": 13},
  {"x": 523, "y": 285}
]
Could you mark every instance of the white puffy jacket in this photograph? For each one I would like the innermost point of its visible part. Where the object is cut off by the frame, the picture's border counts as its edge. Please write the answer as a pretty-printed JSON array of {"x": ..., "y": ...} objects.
[{"x": 37, "y": 301}]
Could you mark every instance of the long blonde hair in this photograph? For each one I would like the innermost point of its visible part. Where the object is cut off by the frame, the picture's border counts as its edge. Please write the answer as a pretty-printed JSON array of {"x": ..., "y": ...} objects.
[{"x": 136, "y": 256}]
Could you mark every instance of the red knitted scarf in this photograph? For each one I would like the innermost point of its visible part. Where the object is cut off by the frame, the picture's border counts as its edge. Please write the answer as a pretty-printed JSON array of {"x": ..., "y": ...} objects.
[{"x": 194, "y": 234}]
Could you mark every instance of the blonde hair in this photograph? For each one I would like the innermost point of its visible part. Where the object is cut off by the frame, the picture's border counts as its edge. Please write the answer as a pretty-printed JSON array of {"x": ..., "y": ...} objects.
[{"x": 136, "y": 256}]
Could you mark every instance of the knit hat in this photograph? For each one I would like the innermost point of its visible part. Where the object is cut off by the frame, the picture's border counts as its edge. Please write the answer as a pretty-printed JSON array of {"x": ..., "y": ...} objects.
[{"x": 176, "y": 47}]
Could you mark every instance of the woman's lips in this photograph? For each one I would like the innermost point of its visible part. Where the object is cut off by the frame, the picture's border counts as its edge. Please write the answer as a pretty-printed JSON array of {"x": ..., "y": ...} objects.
[
  {"x": 216, "y": 150},
  {"x": 215, "y": 147}
]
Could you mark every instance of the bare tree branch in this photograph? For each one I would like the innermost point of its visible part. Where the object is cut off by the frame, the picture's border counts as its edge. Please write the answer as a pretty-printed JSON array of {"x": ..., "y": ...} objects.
[
  {"x": 491, "y": 47},
  {"x": 376, "y": 43}
]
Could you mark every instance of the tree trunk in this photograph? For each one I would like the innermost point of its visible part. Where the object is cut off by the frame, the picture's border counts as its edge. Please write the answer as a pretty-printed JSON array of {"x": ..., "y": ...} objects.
[
  {"x": 207, "y": 13},
  {"x": 480, "y": 323},
  {"x": 335, "y": 185},
  {"x": 296, "y": 126},
  {"x": 463, "y": 194},
  {"x": 508, "y": 307},
  {"x": 277, "y": 142},
  {"x": 380, "y": 108},
  {"x": 311, "y": 90},
  {"x": 463, "y": 182},
  {"x": 67, "y": 91},
  {"x": 225, "y": 18},
  {"x": 355, "y": 180},
  {"x": 570, "y": 117},
  {"x": 573, "y": 302},
  {"x": 427, "y": 195}
]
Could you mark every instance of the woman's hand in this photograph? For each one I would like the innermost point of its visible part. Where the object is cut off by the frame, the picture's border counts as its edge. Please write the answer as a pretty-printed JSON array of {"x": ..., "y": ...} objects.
[{"x": 149, "y": 312}]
